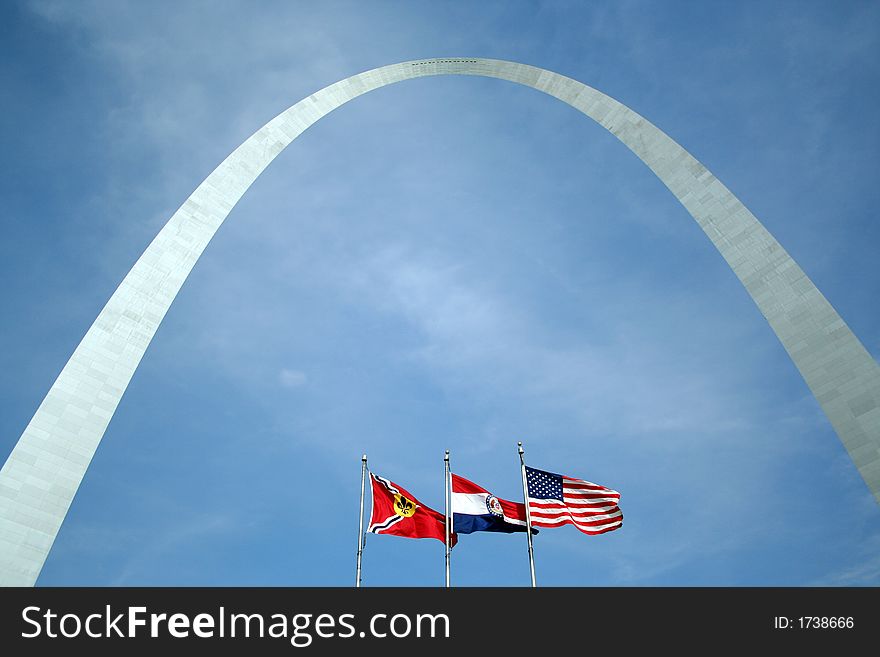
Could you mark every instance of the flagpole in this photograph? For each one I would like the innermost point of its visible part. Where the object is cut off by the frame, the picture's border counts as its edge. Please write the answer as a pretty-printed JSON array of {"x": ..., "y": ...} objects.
[
  {"x": 522, "y": 466},
  {"x": 446, "y": 500},
  {"x": 361, "y": 522}
]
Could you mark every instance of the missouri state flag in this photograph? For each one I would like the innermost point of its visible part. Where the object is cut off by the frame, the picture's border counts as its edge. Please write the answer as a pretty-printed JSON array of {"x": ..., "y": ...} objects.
[
  {"x": 398, "y": 513},
  {"x": 474, "y": 509}
]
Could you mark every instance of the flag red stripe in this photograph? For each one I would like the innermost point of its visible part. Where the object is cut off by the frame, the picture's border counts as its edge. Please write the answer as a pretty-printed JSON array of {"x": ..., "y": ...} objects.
[
  {"x": 557, "y": 513},
  {"x": 578, "y": 514},
  {"x": 602, "y": 530},
  {"x": 593, "y": 505},
  {"x": 580, "y": 525},
  {"x": 513, "y": 510},
  {"x": 555, "y": 504},
  {"x": 592, "y": 500},
  {"x": 599, "y": 529},
  {"x": 582, "y": 485},
  {"x": 575, "y": 500},
  {"x": 596, "y": 517},
  {"x": 462, "y": 485},
  {"x": 590, "y": 496},
  {"x": 567, "y": 494},
  {"x": 564, "y": 508}
]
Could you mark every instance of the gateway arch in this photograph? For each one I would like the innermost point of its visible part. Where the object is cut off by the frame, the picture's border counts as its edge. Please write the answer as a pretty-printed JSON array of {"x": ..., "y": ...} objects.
[{"x": 44, "y": 470}]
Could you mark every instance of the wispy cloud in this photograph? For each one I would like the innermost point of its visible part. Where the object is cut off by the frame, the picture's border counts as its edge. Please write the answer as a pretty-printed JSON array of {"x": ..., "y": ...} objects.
[
  {"x": 151, "y": 552},
  {"x": 474, "y": 336},
  {"x": 292, "y": 378},
  {"x": 866, "y": 573}
]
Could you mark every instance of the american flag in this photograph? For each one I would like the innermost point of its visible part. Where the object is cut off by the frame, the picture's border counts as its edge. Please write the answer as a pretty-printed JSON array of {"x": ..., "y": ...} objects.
[{"x": 556, "y": 500}]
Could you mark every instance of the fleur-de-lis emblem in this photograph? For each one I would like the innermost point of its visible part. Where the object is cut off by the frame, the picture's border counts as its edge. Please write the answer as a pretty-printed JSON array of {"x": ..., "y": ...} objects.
[{"x": 403, "y": 506}]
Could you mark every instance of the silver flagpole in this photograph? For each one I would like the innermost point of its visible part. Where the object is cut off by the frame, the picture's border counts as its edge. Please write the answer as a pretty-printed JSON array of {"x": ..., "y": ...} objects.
[
  {"x": 361, "y": 522},
  {"x": 446, "y": 499},
  {"x": 522, "y": 466}
]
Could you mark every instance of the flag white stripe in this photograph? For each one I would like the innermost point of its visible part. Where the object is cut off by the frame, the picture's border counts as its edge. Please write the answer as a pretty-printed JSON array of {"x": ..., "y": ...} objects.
[
  {"x": 472, "y": 504},
  {"x": 600, "y": 530},
  {"x": 589, "y": 496},
  {"x": 567, "y": 512},
  {"x": 597, "y": 529},
  {"x": 583, "y": 485},
  {"x": 582, "y": 481},
  {"x": 556, "y": 518},
  {"x": 567, "y": 516},
  {"x": 387, "y": 483},
  {"x": 578, "y": 499},
  {"x": 545, "y": 513},
  {"x": 566, "y": 509},
  {"x": 587, "y": 489},
  {"x": 533, "y": 501},
  {"x": 584, "y": 528},
  {"x": 378, "y": 528}
]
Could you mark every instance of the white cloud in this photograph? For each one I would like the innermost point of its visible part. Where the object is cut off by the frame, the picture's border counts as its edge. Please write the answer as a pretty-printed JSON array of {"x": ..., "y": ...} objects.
[
  {"x": 609, "y": 380},
  {"x": 292, "y": 378}
]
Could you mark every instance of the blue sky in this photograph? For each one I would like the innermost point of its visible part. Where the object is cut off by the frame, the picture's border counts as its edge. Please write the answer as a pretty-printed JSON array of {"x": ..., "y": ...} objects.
[{"x": 449, "y": 263}]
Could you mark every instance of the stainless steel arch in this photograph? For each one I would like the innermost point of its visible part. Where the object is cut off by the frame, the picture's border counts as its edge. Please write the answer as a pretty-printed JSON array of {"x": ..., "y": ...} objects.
[{"x": 41, "y": 476}]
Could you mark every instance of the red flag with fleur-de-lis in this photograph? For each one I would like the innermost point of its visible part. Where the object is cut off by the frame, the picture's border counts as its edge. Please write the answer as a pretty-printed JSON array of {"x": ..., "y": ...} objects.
[{"x": 398, "y": 513}]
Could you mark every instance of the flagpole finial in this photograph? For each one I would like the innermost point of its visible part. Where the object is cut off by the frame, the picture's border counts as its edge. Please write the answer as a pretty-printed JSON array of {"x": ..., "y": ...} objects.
[
  {"x": 446, "y": 456},
  {"x": 364, "y": 458},
  {"x": 519, "y": 445}
]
